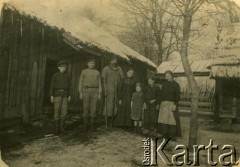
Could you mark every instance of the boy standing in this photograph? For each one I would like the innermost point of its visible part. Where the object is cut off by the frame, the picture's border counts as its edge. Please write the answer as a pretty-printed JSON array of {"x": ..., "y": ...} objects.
[
  {"x": 90, "y": 90},
  {"x": 60, "y": 95}
]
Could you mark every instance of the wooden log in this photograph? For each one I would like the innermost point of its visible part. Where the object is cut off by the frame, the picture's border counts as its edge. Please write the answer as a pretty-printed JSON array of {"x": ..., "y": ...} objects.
[
  {"x": 41, "y": 74},
  {"x": 24, "y": 68},
  {"x": 33, "y": 89},
  {"x": 201, "y": 104},
  {"x": 11, "y": 100},
  {"x": 33, "y": 67}
]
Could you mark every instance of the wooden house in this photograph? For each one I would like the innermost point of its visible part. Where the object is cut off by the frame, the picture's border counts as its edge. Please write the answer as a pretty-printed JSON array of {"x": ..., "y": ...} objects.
[
  {"x": 34, "y": 36},
  {"x": 225, "y": 69},
  {"x": 202, "y": 75}
]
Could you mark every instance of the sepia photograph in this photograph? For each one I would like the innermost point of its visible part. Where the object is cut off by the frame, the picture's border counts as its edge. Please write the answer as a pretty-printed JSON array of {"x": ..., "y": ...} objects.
[{"x": 119, "y": 83}]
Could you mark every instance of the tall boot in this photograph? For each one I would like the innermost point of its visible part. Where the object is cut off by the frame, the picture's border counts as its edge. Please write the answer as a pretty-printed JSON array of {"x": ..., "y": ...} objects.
[
  {"x": 85, "y": 123},
  {"x": 62, "y": 128},
  {"x": 110, "y": 123},
  {"x": 57, "y": 127},
  {"x": 92, "y": 124},
  {"x": 135, "y": 129},
  {"x": 107, "y": 123}
]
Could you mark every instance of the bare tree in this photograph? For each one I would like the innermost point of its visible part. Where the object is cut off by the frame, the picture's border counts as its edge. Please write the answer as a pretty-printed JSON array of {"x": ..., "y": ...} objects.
[
  {"x": 154, "y": 18},
  {"x": 174, "y": 25},
  {"x": 189, "y": 9}
]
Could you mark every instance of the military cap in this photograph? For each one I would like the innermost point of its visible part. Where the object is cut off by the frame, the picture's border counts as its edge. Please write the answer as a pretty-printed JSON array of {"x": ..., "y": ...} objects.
[
  {"x": 114, "y": 59},
  {"x": 138, "y": 84},
  {"x": 91, "y": 60},
  {"x": 62, "y": 62}
]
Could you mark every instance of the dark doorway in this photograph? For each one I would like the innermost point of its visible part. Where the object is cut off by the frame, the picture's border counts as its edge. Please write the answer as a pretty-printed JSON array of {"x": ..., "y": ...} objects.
[{"x": 51, "y": 68}]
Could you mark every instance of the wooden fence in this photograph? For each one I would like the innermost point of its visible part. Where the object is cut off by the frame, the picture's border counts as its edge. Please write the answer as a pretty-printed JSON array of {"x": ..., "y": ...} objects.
[{"x": 206, "y": 102}]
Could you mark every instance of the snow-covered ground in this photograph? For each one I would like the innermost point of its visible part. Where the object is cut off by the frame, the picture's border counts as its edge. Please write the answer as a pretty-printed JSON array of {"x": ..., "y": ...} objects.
[{"x": 116, "y": 148}]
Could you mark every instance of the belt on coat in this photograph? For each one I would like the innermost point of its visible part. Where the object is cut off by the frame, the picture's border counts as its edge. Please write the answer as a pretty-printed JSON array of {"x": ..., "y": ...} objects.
[{"x": 87, "y": 87}]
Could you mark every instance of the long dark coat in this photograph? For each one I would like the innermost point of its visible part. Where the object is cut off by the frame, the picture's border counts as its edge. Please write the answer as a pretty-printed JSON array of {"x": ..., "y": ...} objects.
[
  {"x": 123, "y": 117},
  {"x": 112, "y": 78}
]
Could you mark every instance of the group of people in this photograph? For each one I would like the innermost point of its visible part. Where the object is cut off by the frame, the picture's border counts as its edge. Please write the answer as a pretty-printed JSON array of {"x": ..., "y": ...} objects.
[{"x": 127, "y": 103}]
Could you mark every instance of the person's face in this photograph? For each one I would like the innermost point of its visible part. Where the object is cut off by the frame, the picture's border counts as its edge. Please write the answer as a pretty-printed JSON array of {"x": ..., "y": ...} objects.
[
  {"x": 114, "y": 62},
  {"x": 138, "y": 88},
  {"x": 130, "y": 73},
  {"x": 62, "y": 68},
  {"x": 91, "y": 65},
  {"x": 168, "y": 77},
  {"x": 150, "y": 82}
]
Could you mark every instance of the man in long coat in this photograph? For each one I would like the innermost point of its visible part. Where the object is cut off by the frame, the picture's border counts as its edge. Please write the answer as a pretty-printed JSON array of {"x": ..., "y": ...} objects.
[{"x": 112, "y": 76}]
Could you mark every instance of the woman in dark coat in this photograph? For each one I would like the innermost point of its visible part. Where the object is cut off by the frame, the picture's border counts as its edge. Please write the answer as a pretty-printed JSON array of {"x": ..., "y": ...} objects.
[
  {"x": 151, "y": 97},
  {"x": 169, "y": 120},
  {"x": 123, "y": 116}
]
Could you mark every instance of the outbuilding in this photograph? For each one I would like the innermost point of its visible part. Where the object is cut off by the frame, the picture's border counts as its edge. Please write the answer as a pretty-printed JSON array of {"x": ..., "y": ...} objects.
[{"x": 34, "y": 36}]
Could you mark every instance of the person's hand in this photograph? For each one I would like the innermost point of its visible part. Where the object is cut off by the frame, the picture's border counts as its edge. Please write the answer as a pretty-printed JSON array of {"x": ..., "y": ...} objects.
[
  {"x": 99, "y": 96},
  {"x": 52, "y": 99},
  {"x": 120, "y": 102},
  {"x": 81, "y": 96},
  {"x": 152, "y": 101},
  {"x": 144, "y": 106},
  {"x": 69, "y": 98},
  {"x": 157, "y": 107},
  {"x": 174, "y": 107}
]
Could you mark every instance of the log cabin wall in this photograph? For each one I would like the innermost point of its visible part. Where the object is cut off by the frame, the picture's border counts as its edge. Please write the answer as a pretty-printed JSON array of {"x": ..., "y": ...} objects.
[
  {"x": 31, "y": 45},
  {"x": 3, "y": 78}
]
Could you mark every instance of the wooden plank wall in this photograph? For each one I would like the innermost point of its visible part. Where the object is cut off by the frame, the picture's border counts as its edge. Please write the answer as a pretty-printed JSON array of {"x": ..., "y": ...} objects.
[{"x": 31, "y": 44}]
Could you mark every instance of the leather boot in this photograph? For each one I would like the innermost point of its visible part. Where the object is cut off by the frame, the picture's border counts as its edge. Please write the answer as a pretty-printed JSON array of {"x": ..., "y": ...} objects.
[
  {"x": 62, "y": 128},
  {"x": 110, "y": 123},
  {"x": 85, "y": 123},
  {"x": 107, "y": 123},
  {"x": 92, "y": 124},
  {"x": 135, "y": 129},
  {"x": 57, "y": 127}
]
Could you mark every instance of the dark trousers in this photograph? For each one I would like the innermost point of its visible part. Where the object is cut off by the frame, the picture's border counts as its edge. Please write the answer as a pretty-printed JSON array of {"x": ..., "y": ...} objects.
[
  {"x": 150, "y": 117},
  {"x": 167, "y": 130},
  {"x": 60, "y": 107}
]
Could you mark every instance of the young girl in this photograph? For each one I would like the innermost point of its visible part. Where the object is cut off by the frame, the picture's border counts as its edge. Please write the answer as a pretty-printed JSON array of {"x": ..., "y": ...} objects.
[{"x": 137, "y": 105}]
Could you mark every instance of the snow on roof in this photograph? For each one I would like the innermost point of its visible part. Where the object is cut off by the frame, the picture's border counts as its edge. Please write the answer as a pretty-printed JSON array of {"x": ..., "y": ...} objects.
[
  {"x": 225, "y": 71},
  {"x": 228, "y": 50},
  {"x": 197, "y": 66},
  {"x": 226, "y": 59},
  {"x": 66, "y": 15}
]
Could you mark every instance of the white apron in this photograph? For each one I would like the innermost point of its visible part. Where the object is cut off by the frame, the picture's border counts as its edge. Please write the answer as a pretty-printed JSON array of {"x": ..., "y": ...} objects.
[{"x": 166, "y": 113}]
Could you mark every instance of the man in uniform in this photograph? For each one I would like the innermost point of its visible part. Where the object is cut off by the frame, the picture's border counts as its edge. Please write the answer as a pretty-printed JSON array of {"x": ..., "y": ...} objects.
[
  {"x": 112, "y": 76},
  {"x": 90, "y": 90},
  {"x": 60, "y": 95}
]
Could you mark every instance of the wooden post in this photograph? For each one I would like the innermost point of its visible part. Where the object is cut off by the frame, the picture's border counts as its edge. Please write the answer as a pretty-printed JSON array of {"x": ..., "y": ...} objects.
[{"x": 33, "y": 89}]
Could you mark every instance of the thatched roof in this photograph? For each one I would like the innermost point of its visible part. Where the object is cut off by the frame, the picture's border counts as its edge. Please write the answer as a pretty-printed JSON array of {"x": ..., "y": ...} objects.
[
  {"x": 226, "y": 59},
  {"x": 197, "y": 66},
  {"x": 225, "y": 71},
  {"x": 66, "y": 15}
]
